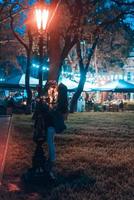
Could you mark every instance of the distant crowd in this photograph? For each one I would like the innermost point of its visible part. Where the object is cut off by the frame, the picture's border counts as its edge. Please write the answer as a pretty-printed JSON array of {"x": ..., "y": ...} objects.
[{"x": 17, "y": 104}]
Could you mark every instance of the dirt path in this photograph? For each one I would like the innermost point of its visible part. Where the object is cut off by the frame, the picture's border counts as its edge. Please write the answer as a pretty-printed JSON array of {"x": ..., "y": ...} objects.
[{"x": 5, "y": 125}]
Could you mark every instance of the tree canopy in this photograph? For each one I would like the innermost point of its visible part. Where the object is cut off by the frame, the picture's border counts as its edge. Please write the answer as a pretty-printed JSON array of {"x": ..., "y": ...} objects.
[{"x": 73, "y": 21}]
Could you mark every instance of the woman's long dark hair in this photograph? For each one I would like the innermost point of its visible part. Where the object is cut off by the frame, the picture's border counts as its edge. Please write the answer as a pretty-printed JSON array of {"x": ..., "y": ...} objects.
[{"x": 62, "y": 98}]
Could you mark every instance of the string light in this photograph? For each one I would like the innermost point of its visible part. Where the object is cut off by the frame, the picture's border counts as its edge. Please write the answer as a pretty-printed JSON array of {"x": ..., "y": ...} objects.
[
  {"x": 2, "y": 79},
  {"x": 37, "y": 66}
]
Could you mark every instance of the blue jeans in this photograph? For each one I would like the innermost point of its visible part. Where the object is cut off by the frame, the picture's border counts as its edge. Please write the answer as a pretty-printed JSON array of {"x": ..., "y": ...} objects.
[{"x": 50, "y": 142}]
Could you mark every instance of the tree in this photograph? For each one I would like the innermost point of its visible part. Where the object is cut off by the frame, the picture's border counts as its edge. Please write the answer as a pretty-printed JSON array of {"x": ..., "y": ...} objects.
[
  {"x": 112, "y": 51},
  {"x": 10, "y": 11},
  {"x": 28, "y": 48},
  {"x": 74, "y": 22},
  {"x": 7, "y": 54},
  {"x": 80, "y": 18},
  {"x": 82, "y": 25},
  {"x": 84, "y": 66},
  {"x": 114, "y": 48}
]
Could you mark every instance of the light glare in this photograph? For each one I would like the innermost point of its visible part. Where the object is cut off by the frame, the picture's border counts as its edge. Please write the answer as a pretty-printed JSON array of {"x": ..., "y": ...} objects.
[
  {"x": 38, "y": 18},
  {"x": 41, "y": 18},
  {"x": 44, "y": 19}
]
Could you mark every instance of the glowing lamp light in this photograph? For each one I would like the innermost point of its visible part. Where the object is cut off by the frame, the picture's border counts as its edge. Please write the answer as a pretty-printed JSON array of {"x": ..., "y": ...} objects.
[
  {"x": 25, "y": 103},
  {"x": 41, "y": 18}
]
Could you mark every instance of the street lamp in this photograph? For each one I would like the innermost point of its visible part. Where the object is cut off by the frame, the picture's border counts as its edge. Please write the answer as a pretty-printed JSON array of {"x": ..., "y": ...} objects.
[
  {"x": 41, "y": 18},
  {"x": 39, "y": 170}
]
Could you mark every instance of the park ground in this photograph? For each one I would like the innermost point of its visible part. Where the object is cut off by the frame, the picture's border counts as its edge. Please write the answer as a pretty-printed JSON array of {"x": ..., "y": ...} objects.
[{"x": 95, "y": 159}]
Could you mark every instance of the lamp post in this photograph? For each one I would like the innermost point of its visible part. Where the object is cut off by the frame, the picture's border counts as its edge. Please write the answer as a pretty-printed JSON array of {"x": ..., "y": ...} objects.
[
  {"x": 41, "y": 17},
  {"x": 39, "y": 171}
]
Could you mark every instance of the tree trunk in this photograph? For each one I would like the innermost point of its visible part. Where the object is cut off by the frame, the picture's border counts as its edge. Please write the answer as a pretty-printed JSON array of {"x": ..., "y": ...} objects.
[
  {"x": 27, "y": 83},
  {"x": 54, "y": 55},
  {"x": 78, "y": 92},
  {"x": 83, "y": 72}
]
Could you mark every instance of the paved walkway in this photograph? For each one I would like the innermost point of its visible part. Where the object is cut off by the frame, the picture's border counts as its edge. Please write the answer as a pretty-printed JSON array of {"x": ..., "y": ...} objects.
[{"x": 5, "y": 125}]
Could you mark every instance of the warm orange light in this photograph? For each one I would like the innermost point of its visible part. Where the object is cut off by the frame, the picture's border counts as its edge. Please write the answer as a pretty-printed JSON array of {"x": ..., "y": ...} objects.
[{"x": 41, "y": 18}]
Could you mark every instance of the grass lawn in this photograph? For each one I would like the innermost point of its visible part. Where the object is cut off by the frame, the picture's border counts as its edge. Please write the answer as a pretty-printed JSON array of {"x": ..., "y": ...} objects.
[{"x": 95, "y": 159}]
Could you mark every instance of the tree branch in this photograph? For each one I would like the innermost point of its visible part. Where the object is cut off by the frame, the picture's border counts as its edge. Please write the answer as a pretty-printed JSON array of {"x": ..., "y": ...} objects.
[
  {"x": 2, "y": 7},
  {"x": 92, "y": 52},
  {"x": 123, "y": 3},
  {"x": 114, "y": 20},
  {"x": 68, "y": 46},
  {"x": 30, "y": 37},
  {"x": 78, "y": 49},
  {"x": 14, "y": 14},
  {"x": 14, "y": 33}
]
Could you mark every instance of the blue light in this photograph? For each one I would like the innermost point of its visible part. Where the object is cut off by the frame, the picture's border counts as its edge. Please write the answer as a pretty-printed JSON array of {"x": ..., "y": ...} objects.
[
  {"x": 35, "y": 65},
  {"x": 44, "y": 68},
  {"x": 2, "y": 79}
]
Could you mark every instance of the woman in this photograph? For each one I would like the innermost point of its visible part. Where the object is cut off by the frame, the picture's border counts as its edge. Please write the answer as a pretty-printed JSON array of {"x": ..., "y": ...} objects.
[
  {"x": 58, "y": 109},
  {"x": 52, "y": 107}
]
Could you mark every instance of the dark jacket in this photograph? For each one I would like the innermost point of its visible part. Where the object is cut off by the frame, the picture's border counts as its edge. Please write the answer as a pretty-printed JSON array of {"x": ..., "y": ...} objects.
[
  {"x": 42, "y": 109},
  {"x": 51, "y": 117}
]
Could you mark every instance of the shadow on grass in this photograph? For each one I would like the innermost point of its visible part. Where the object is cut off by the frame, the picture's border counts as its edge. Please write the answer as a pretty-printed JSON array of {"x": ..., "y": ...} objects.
[{"x": 76, "y": 180}]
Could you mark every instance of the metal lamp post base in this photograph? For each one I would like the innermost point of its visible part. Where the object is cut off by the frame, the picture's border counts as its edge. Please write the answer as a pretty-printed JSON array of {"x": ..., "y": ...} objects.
[{"x": 40, "y": 172}]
